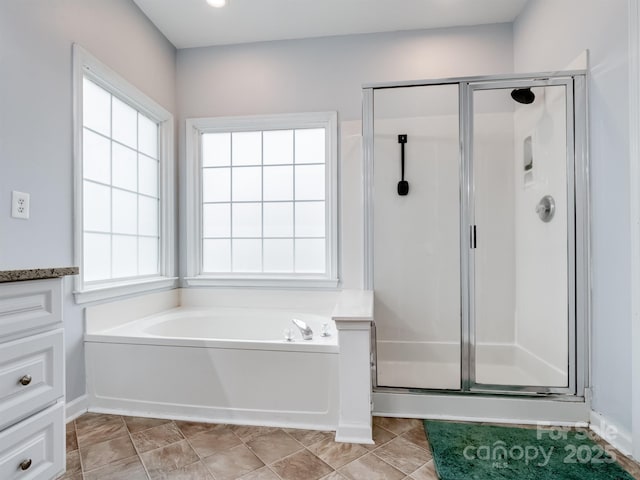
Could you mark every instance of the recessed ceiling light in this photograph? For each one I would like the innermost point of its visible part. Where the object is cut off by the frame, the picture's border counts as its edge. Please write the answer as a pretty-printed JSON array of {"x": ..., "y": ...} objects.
[{"x": 217, "y": 3}]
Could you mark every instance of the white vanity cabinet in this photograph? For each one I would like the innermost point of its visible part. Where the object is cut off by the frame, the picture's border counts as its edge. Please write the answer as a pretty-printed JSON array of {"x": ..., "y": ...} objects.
[{"x": 32, "y": 427}]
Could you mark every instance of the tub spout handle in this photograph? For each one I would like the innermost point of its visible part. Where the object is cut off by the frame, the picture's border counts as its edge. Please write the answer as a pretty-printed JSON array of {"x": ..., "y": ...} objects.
[{"x": 305, "y": 330}]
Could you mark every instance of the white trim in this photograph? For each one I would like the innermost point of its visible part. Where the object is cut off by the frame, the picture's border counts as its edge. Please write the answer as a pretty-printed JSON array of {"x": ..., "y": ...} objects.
[
  {"x": 194, "y": 413},
  {"x": 195, "y": 127},
  {"x": 293, "y": 282},
  {"x": 354, "y": 434},
  {"x": 634, "y": 209},
  {"x": 367, "y": 190},
  {"x": 76, "y": 407},
  {"x": 85, "y": 64},
  {"x": 611, "y": 432},
  {"x": 194, "y": 200},
  {"x": 480, "y": 408},
  {"x": 124, "y": 289}
]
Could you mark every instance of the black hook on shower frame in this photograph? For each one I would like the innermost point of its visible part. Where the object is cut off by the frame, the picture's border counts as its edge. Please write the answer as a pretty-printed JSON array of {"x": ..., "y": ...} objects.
[{"x": 403, "y": 185}]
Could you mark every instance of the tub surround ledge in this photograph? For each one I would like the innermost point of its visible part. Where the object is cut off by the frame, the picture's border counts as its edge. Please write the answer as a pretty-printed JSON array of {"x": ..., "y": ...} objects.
[
  {"x": 354, "y": 305},
  {"x": 353, "y": 315},
  {"x": 36, "y": 274}
]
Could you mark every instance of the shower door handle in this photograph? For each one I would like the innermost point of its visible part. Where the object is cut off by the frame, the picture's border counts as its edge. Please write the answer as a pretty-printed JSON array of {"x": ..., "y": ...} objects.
[
  {"x": 403, "y": 185},
  {"x": 473, "y": 243}
]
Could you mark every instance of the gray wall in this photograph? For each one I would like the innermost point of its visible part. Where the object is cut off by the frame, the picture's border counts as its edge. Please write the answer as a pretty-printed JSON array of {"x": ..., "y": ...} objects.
[
  {"x": 36, "y": 137},
  {"x": 548, "y": 35},
  {"x": 327, "y": 74}
]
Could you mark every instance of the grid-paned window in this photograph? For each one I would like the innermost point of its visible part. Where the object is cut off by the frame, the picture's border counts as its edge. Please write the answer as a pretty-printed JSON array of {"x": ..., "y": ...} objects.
[
  {"x": 261, "y": 205},
  {"x": 120, "y": 188},
  {"x": 264, "y": 201}
]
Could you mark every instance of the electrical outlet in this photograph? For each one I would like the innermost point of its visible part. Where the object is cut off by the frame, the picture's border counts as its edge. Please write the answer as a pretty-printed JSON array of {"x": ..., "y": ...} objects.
[{"x": 19, "y": 205}]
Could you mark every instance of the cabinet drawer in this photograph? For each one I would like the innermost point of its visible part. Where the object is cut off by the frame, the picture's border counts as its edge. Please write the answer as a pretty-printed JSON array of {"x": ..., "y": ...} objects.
[
  {"x": 25, "y": 306},
  {"x": 34, "y": 448},
  {"x": 31, "y": 375}
]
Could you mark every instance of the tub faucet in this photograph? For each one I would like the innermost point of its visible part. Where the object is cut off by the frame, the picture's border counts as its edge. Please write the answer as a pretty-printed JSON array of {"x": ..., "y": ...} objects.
[{"x": 305, "y": 330}]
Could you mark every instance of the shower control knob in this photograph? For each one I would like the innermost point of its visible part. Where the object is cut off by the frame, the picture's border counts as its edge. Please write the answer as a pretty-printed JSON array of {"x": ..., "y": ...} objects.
[{"x": 546, "y": 208}]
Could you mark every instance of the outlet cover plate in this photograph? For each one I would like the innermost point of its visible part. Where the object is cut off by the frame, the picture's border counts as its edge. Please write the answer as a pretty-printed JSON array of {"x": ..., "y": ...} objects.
[{"x": 20, "y": 205}]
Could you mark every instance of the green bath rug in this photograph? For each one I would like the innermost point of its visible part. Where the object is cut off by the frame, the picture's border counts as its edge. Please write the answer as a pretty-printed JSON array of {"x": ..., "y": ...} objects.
[{"x": 482, "y": 452}]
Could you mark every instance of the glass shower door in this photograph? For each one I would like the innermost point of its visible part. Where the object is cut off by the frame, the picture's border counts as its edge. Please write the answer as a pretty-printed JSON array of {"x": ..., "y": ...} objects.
[
  {"x": 521, "y": 235},
  {"x": 416, "y": 226}
]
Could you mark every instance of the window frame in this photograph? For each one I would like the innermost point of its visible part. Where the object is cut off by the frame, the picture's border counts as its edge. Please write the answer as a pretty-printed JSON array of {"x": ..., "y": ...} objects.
[
  {"x": 86, "y": 65},
  {"x": 195, "y": 128}
]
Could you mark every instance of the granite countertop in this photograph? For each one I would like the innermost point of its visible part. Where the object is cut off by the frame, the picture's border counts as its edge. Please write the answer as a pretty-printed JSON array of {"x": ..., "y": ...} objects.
[{"x": 36, "y": 274}]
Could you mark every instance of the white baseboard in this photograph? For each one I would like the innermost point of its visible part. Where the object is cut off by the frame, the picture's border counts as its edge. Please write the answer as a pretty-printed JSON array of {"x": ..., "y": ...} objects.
[
  {"x": 190, "y": 413},
  {"x": 76, "y": 407},
  {"x": 613, "y": 433},
  {"x": 354, "y": 434}
]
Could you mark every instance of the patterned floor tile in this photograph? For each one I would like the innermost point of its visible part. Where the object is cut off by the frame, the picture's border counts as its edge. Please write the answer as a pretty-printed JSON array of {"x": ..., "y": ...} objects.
[
  {"x": 233, "y": 463},
  {"x": 397, "y": 425},
  {"x": 73, "y": 463},
  {"x": 138, "y": 424},
  {"x": 189, "y": 429},
  {"x": 99, "y": 454},
  {"x": 167, "y": 459},
  {"x": 263, "y": 473},
  {"x": 247, "y": 432},
  {"x": 418, "y": 437},
  {"x": 156, "y": 437},
  {"x": 337, "y": 454},
  {"x": 71, "y": 438},
  {"x": 127, "y": 469},
  {"x": 309, "y": 437},
  {"x": 195, "y": 471},
  {"x": 212, "y": 441},
  {"x": 403, "y": 454},
  {"x": 301, "y": 466},
  {"x": 135, "y": 448},
  {"x": 271, "y": 447},
  {"x": 370, "y": 467},
  {"x": 98, "y": 428},
  {"x": 380, "y": 437},
  {"x": 426, "y": 472}
]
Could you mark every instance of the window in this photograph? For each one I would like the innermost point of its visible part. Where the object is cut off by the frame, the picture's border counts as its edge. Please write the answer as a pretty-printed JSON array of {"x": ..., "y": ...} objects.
[
  {"x": 123, "y": 206},
  {"x": 262, "y": 200}
]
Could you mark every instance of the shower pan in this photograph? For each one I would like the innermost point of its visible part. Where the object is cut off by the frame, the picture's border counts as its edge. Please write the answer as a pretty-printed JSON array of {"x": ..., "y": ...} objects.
[{"x": 480, "y": 270}]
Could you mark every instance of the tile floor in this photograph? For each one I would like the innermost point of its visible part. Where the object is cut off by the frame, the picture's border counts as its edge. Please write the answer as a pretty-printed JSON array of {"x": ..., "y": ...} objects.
[{"x": 111, "y": 447}]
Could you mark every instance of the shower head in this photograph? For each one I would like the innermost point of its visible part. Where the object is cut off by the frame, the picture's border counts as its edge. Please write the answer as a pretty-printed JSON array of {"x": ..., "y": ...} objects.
[{"x": 523, "y": 95}]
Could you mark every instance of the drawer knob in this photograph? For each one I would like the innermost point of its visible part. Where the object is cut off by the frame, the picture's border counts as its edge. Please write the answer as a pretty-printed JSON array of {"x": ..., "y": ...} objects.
[
  {"x": 26, "y": 380},
  {"x": 25, "y": 464}
]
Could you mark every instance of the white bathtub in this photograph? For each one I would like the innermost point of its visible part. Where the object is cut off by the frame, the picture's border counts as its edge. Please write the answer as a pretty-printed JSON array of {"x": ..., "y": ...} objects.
[
  {"x": 224, "y": 327},
  {"x": 222, "y": 364}
]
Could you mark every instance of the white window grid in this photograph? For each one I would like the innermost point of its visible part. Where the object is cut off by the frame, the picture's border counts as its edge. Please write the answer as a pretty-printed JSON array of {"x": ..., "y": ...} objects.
[
  {"x": 195, "y": 128},
  {"x": 137, "y": 192},
  {"x": 262, "y": 201}
]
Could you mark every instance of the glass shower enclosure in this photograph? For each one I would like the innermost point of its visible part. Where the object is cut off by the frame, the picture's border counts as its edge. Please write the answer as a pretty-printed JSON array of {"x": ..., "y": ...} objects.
[{"x": 476, "y": 237}]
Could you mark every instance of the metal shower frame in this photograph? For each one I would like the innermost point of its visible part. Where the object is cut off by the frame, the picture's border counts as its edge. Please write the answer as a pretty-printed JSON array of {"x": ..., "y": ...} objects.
[{"x": 579, "y": 257}]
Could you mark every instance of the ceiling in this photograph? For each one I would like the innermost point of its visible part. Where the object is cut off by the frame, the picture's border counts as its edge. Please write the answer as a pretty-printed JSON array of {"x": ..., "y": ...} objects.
[{"x": 193, "y": 23}]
